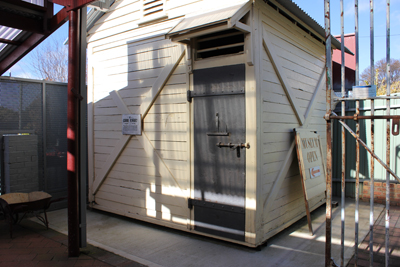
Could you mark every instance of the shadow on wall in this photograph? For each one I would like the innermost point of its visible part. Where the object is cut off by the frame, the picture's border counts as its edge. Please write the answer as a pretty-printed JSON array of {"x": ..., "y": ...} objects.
[{"x": 145, "y": 176}]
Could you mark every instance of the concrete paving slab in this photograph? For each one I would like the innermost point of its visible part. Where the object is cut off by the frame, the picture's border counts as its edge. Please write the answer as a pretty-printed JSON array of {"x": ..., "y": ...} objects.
[{"x": 154, "y": 245}]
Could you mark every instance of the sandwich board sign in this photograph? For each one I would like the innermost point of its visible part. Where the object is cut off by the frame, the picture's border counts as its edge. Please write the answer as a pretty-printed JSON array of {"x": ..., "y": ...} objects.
[{"x": 312, "y": 166}]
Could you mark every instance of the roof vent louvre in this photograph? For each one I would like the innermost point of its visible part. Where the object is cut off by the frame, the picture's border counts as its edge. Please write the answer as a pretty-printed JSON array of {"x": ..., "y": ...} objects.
[{"x": 151, "y": 7}]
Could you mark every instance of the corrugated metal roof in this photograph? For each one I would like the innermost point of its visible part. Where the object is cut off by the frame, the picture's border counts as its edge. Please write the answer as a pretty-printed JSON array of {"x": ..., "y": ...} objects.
[
  {"x": 8, "y": 33},
  {"x": 11, "y": 34},
  {"x": 205, "y": 19},
  {"x": 307, "y": 19}
]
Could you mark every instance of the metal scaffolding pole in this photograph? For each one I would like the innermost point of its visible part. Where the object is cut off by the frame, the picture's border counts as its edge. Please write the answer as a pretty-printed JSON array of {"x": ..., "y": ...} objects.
[{"x": 328, "y": 69}]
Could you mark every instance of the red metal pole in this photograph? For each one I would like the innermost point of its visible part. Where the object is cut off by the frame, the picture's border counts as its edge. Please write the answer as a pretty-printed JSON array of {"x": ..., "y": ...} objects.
[{"x": 72, "y": 131}]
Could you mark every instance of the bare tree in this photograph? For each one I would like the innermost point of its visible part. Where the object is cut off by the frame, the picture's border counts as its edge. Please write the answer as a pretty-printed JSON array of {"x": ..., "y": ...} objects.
[
  {"x": 380, "y": 76},
  {"x": 50, "y": 61}
]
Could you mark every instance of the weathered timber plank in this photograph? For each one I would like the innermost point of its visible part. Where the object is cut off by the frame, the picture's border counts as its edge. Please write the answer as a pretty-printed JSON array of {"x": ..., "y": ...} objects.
[
  {"x": 276, "y": 108},
  {"x": 268, "y": 46},
  {"x": 163, "y": 118},
  {"x": 105, "y": 142},
  {"x": 164, "y": 127},
  {"x": 140, "y": 202},
  {"x": 176, "y": 57},
  {"x": 110, "y": 162},
  {"x": 157, "y": 217},
  {"x": 159, "y": 162},
  {"x": 291, "y": 34},
  {"x": 275, "y": 147},
  {"x": 274, "y": 157},
  {"x": 130, "y": 35},
  {"x": 141, "y": 197},
  {"x": 269, "y": 117},
  {"x": 132, "y": 169},
  {"x": 133, "y": 48},
  {"x": 108, "y": 134},
  {"x": 167, "y": 136}
]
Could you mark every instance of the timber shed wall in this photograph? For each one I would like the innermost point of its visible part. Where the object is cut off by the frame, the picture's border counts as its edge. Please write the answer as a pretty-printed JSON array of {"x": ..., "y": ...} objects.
[
  {"x": 147, "y": 176},
  {"x": 133, "y": 69},
  {"x": 293, "y": 96}
]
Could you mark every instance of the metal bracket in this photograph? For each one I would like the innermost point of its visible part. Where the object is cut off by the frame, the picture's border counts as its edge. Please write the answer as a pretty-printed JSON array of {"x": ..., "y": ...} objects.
[
  {"x": 189, "y": 96},
  {"x": 190, "y": 203},
  {"x": 77, "y": 94},
  {"x": 395, "y": 126}
]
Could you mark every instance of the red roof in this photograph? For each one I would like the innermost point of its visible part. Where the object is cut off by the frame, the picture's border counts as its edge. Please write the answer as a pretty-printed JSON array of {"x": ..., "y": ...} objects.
[{"x": 349, "y": 60}]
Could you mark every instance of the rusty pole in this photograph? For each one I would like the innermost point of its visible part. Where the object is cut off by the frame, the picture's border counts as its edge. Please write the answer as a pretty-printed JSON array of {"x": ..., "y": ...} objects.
[
  {"x": 387, "y": 215},
  {"x": 371, "y": 200},
  {"x": 343, "y": 90},
  {"x": 372, "y": 82},
  {"x": 72, "y": 134},
  {"x": 357, "y": 42},
  {"x": 328, "y": 69},
  {"x": 356, "y": 215}
]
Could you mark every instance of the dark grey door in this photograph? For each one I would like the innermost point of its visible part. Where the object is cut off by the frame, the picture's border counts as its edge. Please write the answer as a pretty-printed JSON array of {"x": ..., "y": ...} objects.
[{"x": 219, "y": 151}]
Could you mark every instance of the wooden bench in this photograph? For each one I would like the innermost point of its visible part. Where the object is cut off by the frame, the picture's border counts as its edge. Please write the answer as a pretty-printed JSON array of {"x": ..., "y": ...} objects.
[{"x": 12, "y": 204}]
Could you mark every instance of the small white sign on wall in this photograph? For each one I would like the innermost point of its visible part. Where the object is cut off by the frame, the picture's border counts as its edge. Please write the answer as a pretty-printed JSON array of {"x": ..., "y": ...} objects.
[{"x": 132, "y": 124}]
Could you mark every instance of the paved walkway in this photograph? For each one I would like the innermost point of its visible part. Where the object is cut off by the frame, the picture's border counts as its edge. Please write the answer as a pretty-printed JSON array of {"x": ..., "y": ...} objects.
[
  {"x": 33, "y": 245},
  {"x": 157, "y": 246},
  {"x": 379, "y": 242}
]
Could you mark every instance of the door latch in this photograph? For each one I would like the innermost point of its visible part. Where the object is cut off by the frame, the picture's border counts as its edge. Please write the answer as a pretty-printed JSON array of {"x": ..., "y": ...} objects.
[{"x": 236, "y": 147}]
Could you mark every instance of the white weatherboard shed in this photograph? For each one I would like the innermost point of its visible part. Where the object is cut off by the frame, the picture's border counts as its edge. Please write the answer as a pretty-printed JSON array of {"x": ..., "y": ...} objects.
[{"x": 220, "y": 86}]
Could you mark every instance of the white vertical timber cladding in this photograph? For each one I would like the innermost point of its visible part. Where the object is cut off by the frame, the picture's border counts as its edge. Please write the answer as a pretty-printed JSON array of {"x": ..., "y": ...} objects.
[
  {"x": 175, "y": 59},
  {"x": 252, "y": 223},
  {"x": 118, "y": 148},
  {"x": 269, "y": 48},
  {"x": 291, "y": 88},
  {"x": 155, "y": 90},
  {"x": 290, "y": 155},
  {"x": 90, "y": 130},
  {"x": 168, "y": 198}
]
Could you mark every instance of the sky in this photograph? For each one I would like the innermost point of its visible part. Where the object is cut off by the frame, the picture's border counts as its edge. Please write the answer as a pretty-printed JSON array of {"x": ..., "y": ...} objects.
[{"x": 315, "y": 9}]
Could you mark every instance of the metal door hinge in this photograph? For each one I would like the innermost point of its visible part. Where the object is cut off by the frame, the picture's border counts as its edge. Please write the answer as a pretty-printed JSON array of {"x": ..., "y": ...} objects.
[{"x": 190, "y": 203}]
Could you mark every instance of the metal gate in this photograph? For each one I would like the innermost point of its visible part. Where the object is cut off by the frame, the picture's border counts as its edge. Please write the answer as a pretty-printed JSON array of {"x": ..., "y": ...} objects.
[
  {"x": 330, "y": 116},
  {"x": 219, "y": 151}
]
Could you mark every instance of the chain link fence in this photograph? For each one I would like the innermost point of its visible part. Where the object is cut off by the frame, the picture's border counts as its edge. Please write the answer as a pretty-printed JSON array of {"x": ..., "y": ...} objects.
[{"x": 40, "y": 108}]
